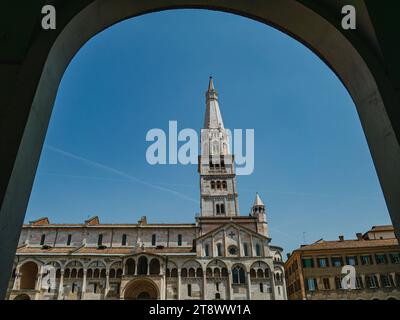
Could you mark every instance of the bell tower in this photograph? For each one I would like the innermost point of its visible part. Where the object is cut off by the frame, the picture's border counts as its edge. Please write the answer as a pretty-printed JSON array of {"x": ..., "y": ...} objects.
[{"x": 218, "y": 190}]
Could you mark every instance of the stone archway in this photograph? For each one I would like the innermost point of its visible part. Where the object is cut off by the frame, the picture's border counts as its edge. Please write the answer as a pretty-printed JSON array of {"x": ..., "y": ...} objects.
[
  {"x": 29, "y": 271},
  {"x": 141, "y": 289},
  {"x": 22, "y": 297},
  {"x": 32, "y": 80}
]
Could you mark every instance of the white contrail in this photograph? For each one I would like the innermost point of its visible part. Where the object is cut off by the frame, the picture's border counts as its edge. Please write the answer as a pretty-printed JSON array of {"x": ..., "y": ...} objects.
[{"x": 119, "y": 172}]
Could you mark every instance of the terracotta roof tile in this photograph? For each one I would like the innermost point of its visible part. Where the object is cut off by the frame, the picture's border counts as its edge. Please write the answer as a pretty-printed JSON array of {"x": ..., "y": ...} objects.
[{"x": 348, "y": 244}]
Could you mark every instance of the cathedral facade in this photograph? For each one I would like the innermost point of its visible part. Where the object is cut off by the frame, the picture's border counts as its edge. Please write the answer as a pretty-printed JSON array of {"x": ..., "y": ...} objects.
[{"x": 222, "y": 255}]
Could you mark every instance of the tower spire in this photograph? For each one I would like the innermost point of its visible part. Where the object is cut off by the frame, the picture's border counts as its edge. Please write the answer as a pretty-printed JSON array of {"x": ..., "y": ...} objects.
[{"x": 213, "y": 118}]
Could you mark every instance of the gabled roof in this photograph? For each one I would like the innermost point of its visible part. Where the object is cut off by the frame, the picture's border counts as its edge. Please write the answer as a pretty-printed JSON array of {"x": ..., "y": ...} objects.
[{"x": 235, "y": 225}]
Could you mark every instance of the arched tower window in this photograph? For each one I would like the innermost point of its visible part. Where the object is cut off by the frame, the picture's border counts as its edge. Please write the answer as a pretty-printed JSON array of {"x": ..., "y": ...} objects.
[
  {"x": 217, "y": 207},
  {"x": 238, "y": 275},
  {"x": 130, "y": 267},
  {"x": 258, "y": 250},
  {"x": 154, "y": 266},
  {"x": 207, "y": 250},
  {"x": 142, "y": 265},
  {"x": 213, "y": 185},
  {"x": 219, "y": 249}
]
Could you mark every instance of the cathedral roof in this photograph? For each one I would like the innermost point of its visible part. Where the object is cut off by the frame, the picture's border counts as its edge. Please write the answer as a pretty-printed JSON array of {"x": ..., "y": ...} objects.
[{"x": 213, "y": 118}]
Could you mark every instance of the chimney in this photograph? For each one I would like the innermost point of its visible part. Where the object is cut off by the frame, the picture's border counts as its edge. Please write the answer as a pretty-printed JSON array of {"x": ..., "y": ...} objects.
[
  {"x": 341, "y": 238},
  {"x": 359, "y": 236}
]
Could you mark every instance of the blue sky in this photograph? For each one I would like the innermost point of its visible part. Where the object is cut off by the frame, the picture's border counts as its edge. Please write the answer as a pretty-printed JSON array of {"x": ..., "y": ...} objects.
[{"x": 313, "y": 168}]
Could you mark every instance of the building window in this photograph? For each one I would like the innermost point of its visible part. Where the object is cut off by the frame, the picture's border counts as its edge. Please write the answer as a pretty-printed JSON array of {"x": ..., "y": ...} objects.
[
  {"x": 238, "y": 275},
  {"x": 217, "y": 286},
  {"x": 232, "y": 250},
  {"x": 42, "y": 239},
  {"x": 380, "y": 258},
  {"x": 327, "y": 285},
  {"x": 213, "y": 185},
  {"x": 337, "y": 261},
  {"x": 258, "y": 250},
  {"x": 217, "y": 208},
  {"x": 217, "y": 296},
  {"x": 207, "y": 250},
  {"x": 245, "y": 250},
  {"x": 311, "y": 284},
  {"x": 308, "y": 263},
  {"x": 100, "y": 240},
  {"x": 69, "y": 239},
  {"x": 261, "y": 287},
  {"x": 338, "y": 282},
  {"x": 153, "y": 240},
  {"x": 179, "y": 239},
  {"x": 352, "y": 261},
  {"x": 395, "y": 258},
  {"x": 222, "y": 208},
  {"x": 124, "y": 239},
  {"x": 219, "y": 250},
  {"x": 366, "y": 260},
  {"x": 322, "y": 262},
  {"x": 224, "y": 185},
  {"x": 385, "y": 281},
  {"x": 359, "y": 283},
  {"x": 218, "y": 185},
  {"x": 371, "y": 281},
  {"x": 189, "y": 289}
]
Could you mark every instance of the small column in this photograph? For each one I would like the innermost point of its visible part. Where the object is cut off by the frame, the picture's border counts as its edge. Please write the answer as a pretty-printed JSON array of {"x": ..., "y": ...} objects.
[
  {"x": 204, "y": 285},
  {"x": 230, "y": 285},
  {"x": 148, "y": 267},
  {"x": 107, "y": 284},
  {"x": 84, "y": 284},
  {"x": 272, "y": 284},
  {"x": 239, "y": 244},
  {"x": 61, "y": 286},
  {"x": 251, "y": 246},
  {"x": 179, "y": 285},
  {"x": 284, "y": 293},
  {"x": 17, "y": 279},
  {"x": 378, "y": 280},
  {"x": 364, "y": 284},
  {"x": 248, "y": 286},
  {"x": 394, "y": 280}
]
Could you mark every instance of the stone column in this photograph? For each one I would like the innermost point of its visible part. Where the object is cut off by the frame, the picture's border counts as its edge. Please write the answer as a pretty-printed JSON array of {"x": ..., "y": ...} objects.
[
  {"x": 61, "y": 286},
  {"x": 17, "y": 279},
  {"x": 179, "y": 285},
  {"x": 284, "y": 293},
  {"x": 272, "y": 276},
  {"x": 378, "y": 280},
  {"x": 239, "y": 243},
  {"x": 230, "y": 297},
  {"x": 393, "y": 276},
  {"x": 107, "y": 284},
  {"x": 364, "y": 284},
  {"x": 148, "y": 267},
  {"x": 248, "y": 286},
  {"x": 251, "y": 246},
  {"x": 204, "y": 285},
  {"x": 84, "y": 284}
]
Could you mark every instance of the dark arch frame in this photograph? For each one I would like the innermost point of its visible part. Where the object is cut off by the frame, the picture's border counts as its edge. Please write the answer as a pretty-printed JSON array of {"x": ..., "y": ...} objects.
[{"x": 33, "y": 87}]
